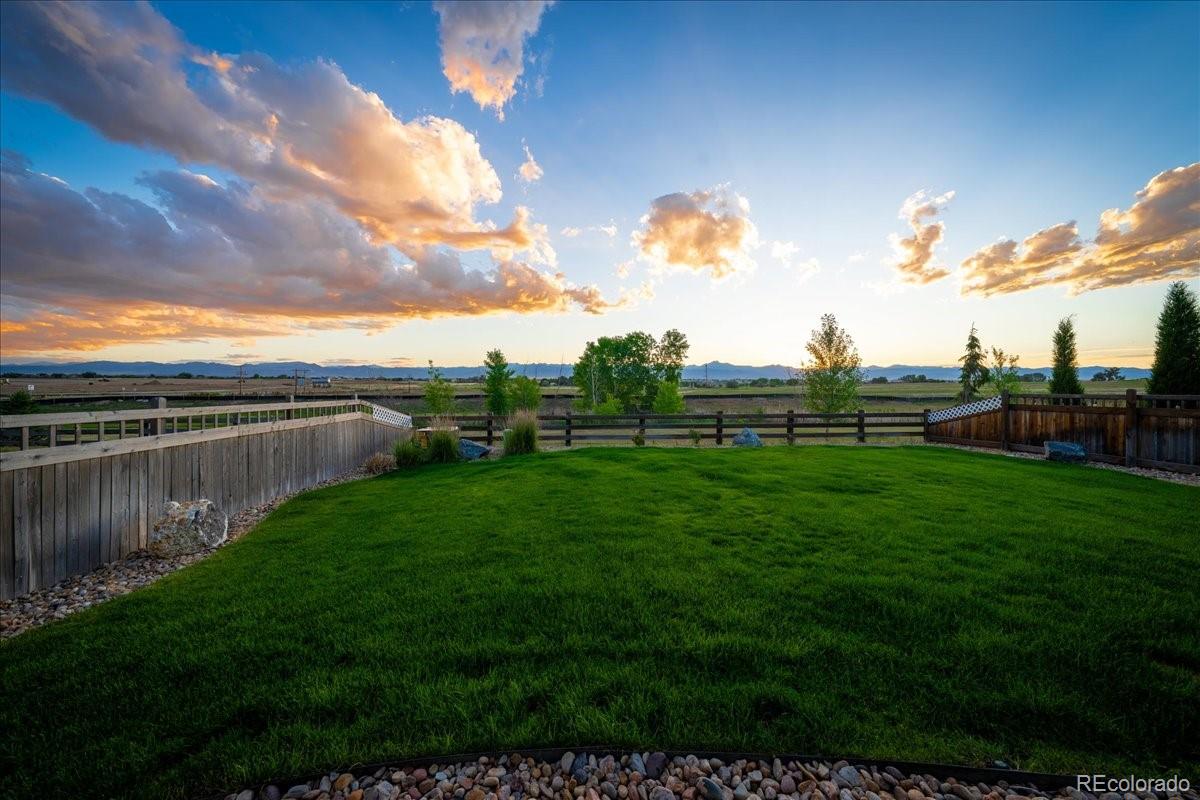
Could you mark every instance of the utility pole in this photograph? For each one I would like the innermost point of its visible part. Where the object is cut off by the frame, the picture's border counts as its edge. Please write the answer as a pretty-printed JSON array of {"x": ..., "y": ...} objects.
[
  {"x": 242, "y": 379},
  {"x": 298, "y": 376}
]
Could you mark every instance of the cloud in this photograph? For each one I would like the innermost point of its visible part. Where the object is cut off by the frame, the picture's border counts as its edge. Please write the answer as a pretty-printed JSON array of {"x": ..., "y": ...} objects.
[
  {"x": 609, "y": 230},
  {"x": 483, "y": 47},
  {"x": 1157, "y": 238},
  {"x": 530, "y": 170},
  {"x": 914, "y": 256},
  {"x": 708, "y": 230},
  {"x": 303, "y": 130},
  {"x": 785, "y": 253},
  {"x": 87, "y": 269},
  {"x": 570, "y": 232}
]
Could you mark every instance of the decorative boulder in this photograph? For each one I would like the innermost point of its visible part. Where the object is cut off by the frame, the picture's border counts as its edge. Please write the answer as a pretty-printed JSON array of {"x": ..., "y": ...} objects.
[
  {"x": 747, "y": 438},
  {"x": 1065, "y": 451},
  {"x": 472, "y": 450},
  {"x": 188, "y": 527}
]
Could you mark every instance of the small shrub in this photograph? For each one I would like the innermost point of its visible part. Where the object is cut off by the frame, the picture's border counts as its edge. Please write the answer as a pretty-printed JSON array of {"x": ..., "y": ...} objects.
[
  {"x": 694, "y": 435},
  {"x": 639, "y": 440},
  {"x": 522, "y": 434},
  {"x": 443, "y": 446},
  {"x": 378, "y": 463},
  {"x": 408, "y": 454},
  {"x": 20, "y": 402},
  {"x": 610, "y": 407}
]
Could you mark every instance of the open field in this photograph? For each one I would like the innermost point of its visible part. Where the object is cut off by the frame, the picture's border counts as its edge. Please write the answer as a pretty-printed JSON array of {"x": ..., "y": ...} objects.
[{"x": 913, "y": 603}]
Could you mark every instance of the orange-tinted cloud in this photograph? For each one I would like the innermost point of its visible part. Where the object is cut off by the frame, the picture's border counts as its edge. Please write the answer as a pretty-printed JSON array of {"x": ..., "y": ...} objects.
[
  {"x": 304, "y": 130},
  {"x": 707, "y": 230},
  {"x": 1157, "y": 238},
  {"x": 483, "y": 46},
  {"x": 530, "y": 170},
  {"x": 225, "y": 261},
  {"x": 914, "y": 255}
]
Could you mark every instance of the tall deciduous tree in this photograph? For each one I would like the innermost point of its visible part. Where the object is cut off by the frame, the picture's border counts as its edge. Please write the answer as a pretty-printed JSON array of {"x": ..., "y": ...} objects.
[
  {"x": 496, "y": 382},
  {"x": 974, "y": 374},
  {"x": 1176, "y": 368},
  {"x": 1065, "y": 378},
  {"x": 628, "y": 369},
  {"x": 525, "y": 394},
  {"x": 834, "y": 369}
]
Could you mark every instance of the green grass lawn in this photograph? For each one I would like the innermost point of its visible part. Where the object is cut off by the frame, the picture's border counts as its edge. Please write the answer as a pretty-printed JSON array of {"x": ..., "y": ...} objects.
[{"x": 914, "y": 603}]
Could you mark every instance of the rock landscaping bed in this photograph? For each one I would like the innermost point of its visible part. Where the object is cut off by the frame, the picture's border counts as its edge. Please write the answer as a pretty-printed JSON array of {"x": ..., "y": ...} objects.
[
  {"x": 1158, "y": 474},
  {"x": 655, "y": 776},
  {"x": 122, "y": 577}
]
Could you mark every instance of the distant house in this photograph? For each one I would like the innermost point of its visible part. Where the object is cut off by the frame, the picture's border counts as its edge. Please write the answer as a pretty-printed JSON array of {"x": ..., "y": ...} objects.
[{"x": 321, "y": 383}]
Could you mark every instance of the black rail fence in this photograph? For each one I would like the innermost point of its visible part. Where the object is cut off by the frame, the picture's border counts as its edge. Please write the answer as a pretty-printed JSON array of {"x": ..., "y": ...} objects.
[{"x": 717, "y": 427}]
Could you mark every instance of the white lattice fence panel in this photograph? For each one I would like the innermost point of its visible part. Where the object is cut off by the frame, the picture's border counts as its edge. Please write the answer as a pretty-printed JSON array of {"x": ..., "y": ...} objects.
[
  {"x": 965, "y": 410},
  {"x": 389, "y": 417}
]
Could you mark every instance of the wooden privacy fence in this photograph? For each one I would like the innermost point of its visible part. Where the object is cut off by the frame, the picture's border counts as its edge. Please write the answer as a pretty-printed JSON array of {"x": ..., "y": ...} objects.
[
  {"x": 1144, "y": 430},
  {"x": 717, "y": 427},
  {"x": 88, "y": 487}
]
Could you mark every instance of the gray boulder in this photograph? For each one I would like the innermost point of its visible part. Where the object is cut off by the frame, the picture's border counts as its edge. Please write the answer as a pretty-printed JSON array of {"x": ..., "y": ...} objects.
[
  {"x": 747, "y": 438},
  {"x": 472, "y": 450},
  {"x": 188, "y": 527},
  {"x": 1065, "y": 451}
]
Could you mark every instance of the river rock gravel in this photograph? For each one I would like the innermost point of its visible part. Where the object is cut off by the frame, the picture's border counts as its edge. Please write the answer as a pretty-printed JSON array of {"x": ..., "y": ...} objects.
[
  {"x": 136, "y": 570},
  {"x": 654, "y": 776}
]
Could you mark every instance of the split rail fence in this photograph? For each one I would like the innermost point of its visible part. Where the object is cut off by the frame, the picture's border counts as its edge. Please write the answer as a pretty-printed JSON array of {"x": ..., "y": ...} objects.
[{"x": 84, "y": 489}]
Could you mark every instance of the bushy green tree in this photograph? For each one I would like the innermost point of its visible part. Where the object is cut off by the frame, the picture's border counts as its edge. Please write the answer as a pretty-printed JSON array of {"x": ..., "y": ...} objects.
[
  {"x": 974, "y": 374},
  {"x": 668, "y": 400},
  {"x": 1002, "y": 374},
  {"x": 525, "y": 394},
  {"x": 19, "y": 402},
  {"x": 1176, "y": 368},
  {"x": 834, "y": 369},
  {"x": 1065, "y": 377},
  {"x": 439, "y": 392},
  {"x": 628, "y": 368},
  {"x": 496, "y": 383}
]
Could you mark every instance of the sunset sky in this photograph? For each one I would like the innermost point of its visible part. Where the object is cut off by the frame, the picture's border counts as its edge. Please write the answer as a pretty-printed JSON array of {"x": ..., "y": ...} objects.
[{"x": 391, "y": 183}]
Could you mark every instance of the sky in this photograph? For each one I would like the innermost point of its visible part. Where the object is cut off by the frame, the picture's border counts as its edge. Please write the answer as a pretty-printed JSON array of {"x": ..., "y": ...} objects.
[{"x": 395, "y": 182}]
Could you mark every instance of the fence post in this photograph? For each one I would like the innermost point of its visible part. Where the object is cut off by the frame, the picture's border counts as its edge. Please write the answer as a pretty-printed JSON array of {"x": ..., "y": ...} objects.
[
  {"x": 791, "y": 427},
  {"x": 489, "y": 429},
  {"x": 160, "y": 422},
  {"x": 925, "y": 426},
  {"x": 291, "y": 412},
  {"x": 1004, "y": 420},
  {"x": 54, "y": 436},
  {"x": 862, "y": 428},
  {"x": 567, "y": 434},
  {"x": 720, "y": 428},
  {"x": 1131, "y": 427},
  {"x": 641, "y": 426}
]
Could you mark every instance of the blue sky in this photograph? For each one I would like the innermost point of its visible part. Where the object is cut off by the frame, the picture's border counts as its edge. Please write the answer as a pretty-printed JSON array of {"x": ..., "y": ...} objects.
[{"x": 823, "y": 118}]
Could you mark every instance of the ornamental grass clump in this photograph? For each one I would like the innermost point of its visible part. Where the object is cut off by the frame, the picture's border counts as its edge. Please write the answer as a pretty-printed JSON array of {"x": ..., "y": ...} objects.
[
  {"x": 443, "y": 442},
  {"x": 522, "y": 434},
  {"x": 408, "y": 454},
  {"x": 378, "y": 463}
]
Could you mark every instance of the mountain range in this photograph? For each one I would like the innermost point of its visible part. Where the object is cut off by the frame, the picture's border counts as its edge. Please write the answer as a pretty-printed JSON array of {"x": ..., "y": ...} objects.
[{"x": 714, "y": 370}]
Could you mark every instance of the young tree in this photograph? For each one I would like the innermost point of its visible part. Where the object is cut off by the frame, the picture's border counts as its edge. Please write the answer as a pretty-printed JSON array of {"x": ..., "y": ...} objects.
[
  {"x": 974, "y": 374},
  {"x": 439, "y": 392},
  {"x": 1002, "y": 375},
  {"x": 496, "y": 383},
  {"x": 668, "y": 400},
  {"x": 1176, "y": 368},
  {"x": 832, "y": 376},
  {"x": 525, "y": 394},
  {"x": 1065, "y": 378}
]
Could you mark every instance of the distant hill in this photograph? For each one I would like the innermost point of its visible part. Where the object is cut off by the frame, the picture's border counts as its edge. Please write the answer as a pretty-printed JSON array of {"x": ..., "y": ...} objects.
[{"x": 714, "y": 370}]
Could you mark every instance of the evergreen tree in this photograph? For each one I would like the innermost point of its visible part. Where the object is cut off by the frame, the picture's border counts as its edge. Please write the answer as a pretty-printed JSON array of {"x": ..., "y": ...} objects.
[
  {"x": 974, "y": 374},
  {"x": 1176, "y": 368},
  {"x": 1065, "y": 378},
  {"x": 496, "y": 382}
]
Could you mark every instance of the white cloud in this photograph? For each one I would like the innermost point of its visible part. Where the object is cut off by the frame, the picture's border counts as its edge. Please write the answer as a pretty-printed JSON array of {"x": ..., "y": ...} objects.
[
  {"x": 530, "y": 170},
  {"x": 483, "y": 47}
]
